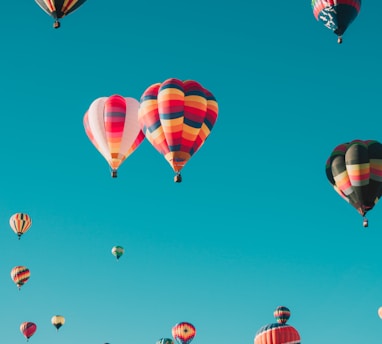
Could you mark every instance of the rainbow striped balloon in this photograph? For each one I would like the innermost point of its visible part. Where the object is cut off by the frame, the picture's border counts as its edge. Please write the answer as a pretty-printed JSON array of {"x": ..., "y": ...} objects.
[
  {"x": 20, "y": 275},
  {"x": 111, "y": 124},
  {"x": 282, "y": 314},
  {"x": 355, "y": 171},
  {"x": 176, "y": 118}
]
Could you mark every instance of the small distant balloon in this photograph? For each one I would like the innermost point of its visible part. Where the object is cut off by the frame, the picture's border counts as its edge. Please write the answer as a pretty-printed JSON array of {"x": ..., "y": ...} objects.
[
  {"x": 118, "y": 251},
  {"x": 57, "y": 321},
  {"x": 281, "y": 314},
  {"x": 20, "y": 223},
  {"x": 28, "y": 329},
  {"x": 20, "y": 275},
  {"x": 183, "y": 332},
  {"x": 165, "y": 341},
  {"x": 380, "y": 312}
]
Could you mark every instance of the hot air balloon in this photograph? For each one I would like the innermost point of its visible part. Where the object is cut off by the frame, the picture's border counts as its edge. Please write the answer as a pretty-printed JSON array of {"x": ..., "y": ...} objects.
[
  {"x": 177, "y": 117},
  {"x": 183, "y": 332},
  {"x": 20, "y": 223},
  {"x": 57, "y": 321},
  {"x": 355, "y": 171},
  {"x": 117, "y": 251},
  {"x": 380, "y": 312},
  {"x": 58, "y": 9},
  {"x": 336, "y": 15},
  {"x": 278, "y": 333},
  {"x": 28, "y": 329},
  {"x": 20, "y": 275},
  {"x": 281, "y": 314},
  {"x": 111, "y": 123},
  {"x": 165, "y": 341}
]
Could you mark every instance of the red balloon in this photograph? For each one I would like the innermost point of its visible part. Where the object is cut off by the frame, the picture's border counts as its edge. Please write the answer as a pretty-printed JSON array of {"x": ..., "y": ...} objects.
[{"x": 28, "y": 329}]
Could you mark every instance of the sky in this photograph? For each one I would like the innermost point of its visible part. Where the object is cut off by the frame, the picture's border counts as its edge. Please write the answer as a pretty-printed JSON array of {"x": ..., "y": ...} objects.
[{"x": 254, "y": 224}]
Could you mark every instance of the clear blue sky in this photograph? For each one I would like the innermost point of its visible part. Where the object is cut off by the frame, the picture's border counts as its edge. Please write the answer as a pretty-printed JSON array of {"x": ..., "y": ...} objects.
[{"x": 254, "y": 224}]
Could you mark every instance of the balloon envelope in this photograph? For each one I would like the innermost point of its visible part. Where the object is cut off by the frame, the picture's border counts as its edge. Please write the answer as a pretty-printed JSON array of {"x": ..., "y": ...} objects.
[
  {"x": 111, "y": 124},
  {"x": 282, "y": 314},
  {"x": 355, "y": 171},
  {"x": 118, "y": 251},
  {"x": 59, "y": 8},
  {"x": 28, "y": 329},
  {"x": 277, "y": 334},
  {"x": 336, "y": 15},
  {"x": 165, "y": 341},
  {"x": 183, "y": 332},
  {"x": 20, "y": 223},
  {"x": 20, "y": 275},
  {"x": 57, "y": 321},
  {"x": 177, "y": 117}
]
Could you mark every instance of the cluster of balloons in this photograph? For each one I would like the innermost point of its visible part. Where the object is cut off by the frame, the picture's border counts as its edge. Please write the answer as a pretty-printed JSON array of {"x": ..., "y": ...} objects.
[
  {"x": 336, "y": 15},
  {"x": 279, "y": 332},
  {"x": 355, "y": 171},
  {"x": 175, "y": 116},
  {"x": 20, "y": 223}
]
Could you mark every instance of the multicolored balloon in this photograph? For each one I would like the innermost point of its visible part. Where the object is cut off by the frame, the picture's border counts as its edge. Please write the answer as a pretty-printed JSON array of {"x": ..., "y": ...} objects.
[
  {"x": 282, "y": 314},
  {"x": 57, "y": 321},
  {"x": 336, "y": 15},
  {"x": 58, "y": 9},
  {"x": 111, "y": 124},
  {"x": 177, "y": 117},
  {"x": 118, "y": 251},
  {"x": 355, "y": 171},
  {"x": 183, "y": 332},
  {"x": 165, "y": 341},
  {"x": 28, "y": 329},
  {"x": 278, "y": 333},
  {"x": 20, "y": 223},
  {"x": 20, "y": 275}
]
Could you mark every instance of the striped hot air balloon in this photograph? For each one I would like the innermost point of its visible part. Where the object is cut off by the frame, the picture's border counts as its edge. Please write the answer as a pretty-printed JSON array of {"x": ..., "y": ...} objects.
[
  {"x": 280, "y": 332},
  {"x": 336, "y": 15},
  {"x": 20, "y": 275},
  {"x": 20, "y": 223},
  {"x": 355, "y": 171},
  {"x": 183, "y": 332},
  {"x": 111, "y": 124},
  {"x": 28, "y": 329},
  {"x": 177, "y": 117},
  {"x": 58, "y": 9},
  {"x": 281, "y": 314}
]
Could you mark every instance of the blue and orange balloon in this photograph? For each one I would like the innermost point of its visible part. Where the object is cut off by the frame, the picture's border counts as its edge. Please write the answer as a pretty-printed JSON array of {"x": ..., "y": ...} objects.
[{"x": 336, "y": 15}]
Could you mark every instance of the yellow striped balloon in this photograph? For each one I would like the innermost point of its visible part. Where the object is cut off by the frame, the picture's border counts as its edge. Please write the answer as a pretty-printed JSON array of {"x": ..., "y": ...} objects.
[{"x": 20, "y": 223}]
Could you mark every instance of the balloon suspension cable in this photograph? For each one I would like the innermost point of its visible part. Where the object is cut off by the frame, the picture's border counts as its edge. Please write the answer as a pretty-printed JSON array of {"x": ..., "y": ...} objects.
[
  {"x": 56, "y": 24},
  {"x": 178, "y": 178},
  {"x": 339, "y": 40},
  {"x": 365, "y": 222}
]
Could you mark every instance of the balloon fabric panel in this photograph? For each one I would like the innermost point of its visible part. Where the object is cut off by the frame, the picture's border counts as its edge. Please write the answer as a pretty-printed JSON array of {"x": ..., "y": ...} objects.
[{"x": 277, "y": 334}]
